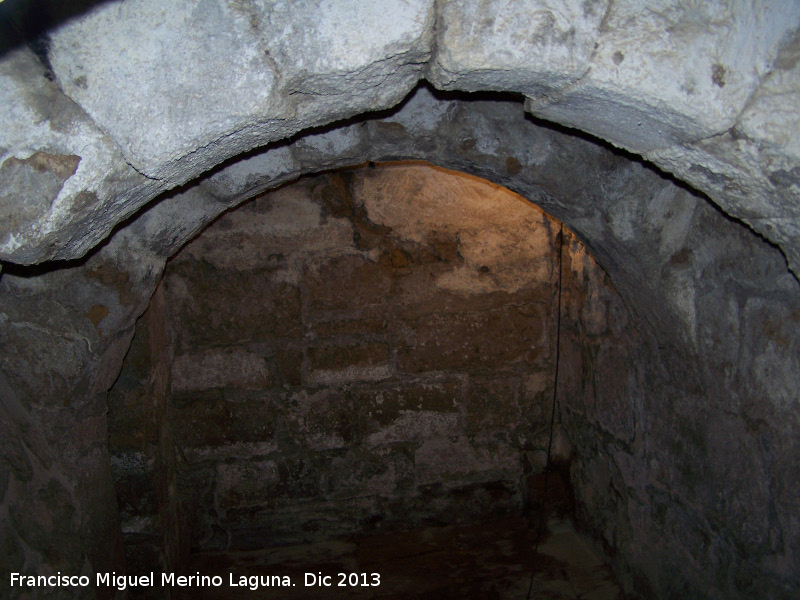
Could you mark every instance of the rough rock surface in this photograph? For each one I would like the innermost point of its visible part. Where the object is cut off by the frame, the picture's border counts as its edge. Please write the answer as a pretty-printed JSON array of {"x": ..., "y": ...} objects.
[
  {"x": 536, "y": 49},
  {"x": 713, "y": 304},
  {"x": 353, "y": 353},
  {"x": 650, "y": 78},
  {"x": 65, "y": 182},
  {"x": 63, "y": 333},
  {"x": 277, "y": 68},
  {"x": 676, "y": 262}
]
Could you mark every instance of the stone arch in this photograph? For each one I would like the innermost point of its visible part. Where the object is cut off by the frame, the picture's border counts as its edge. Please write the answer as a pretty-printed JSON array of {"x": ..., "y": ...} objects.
[
  {"x": 659, "y": 264},
  {"x": 717, "y": 305},
  {"x": 689, "y": 101}
]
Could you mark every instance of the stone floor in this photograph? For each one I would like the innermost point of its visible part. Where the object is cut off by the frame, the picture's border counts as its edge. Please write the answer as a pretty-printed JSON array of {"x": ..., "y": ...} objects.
[{"x": 488, "y": 561}]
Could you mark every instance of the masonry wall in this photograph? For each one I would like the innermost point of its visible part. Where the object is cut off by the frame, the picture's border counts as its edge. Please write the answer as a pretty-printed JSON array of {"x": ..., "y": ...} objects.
[
  {"x": 142, "y": 448},
  {"x": 701, "y": 500},
  {"x": 361, "y": 351}
]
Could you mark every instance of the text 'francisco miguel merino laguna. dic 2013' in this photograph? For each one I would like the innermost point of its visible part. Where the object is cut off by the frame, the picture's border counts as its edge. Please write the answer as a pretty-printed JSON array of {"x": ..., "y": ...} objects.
[{"x": 252, "y": 582}]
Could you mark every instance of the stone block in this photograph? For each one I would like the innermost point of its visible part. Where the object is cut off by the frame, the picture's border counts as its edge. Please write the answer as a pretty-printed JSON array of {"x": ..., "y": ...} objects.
[
  {"x": 284, "y": 224},
  {"x": 350, "y": 327},
  {"x": 492, "y": 406},
  {"x": 260, "y": 44},
  {"x": 490, "y": 45},
  {"x": 324, "y": 420},
  {"x": 45, "y": 173},
  {"x": 59, "y": 171},
  {"x": 51, "y": 377},
  {"x": 690, "y": 84},
  {"x": 233, "y": 367},
  {"x": 385, "y": 471},
  {"x": 360, "y": 284},
  {"x": 289, "y": 366},
  {"x": 212, "y": 418},
  {"x": 334, "y": 365},
  {"x": 418, "y": 293},
  {"x": 381, "y": 405},
  {"x": 415, "y": 426},
  {"x": 486, "y": 340},
  {"x": 200, "y": 419},
  {"x": 272, "y": 309},
  {"x": 486, "y": 239}
]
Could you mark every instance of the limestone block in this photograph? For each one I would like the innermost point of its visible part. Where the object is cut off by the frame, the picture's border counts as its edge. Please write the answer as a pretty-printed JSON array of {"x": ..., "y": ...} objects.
[
  {"x": 474, "y": 341},
  {"x": 362, "y": 284},
  {"x": 502, "y": 240},
  {"x": 332, "y": 365},
  {"x": 492, "y": 404},
  {"x": 665, "y": 72},
  {"x": 751, "y": 178},
  {"x": 231, "y": 368},
  {"x": 63, "y": 182},
  {"x": 319, "y": 421},
  {"x": 183, "y": 67},
  {"x": 772, "y": 122},
  {"x": 69, "y": 324},
  {"x": 362, "y": 473},
  {"x": 384, "y": 404},
  {"x": 221, "y": 425},
  {"x": 273, "y": 312},
  {"x": 202, "y": 419},
  {"x": 286, "y": 222},
  {"x": 415, "y": 426},
  {"x": 193, "y": 73},
  {"x": 173, "y": 219},
  {"x": 355, "y": 327},
  {"x": 772, "y": 118},
  {"x": 253, "y": 174},
  {"x": 454, "y": 459},
  {"x": 533, "y": 47}
]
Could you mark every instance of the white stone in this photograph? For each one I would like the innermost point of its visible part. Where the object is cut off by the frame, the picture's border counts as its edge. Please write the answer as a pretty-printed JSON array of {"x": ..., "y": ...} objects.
[
  {"x": 186, "y": 75},
  {"x": 181, "y": 75},
  {"x": 708, "y": 91},
  {"x": 773, "y": 117},
  {"x": 665, "y": 72},
  {"x": 37, "y": 117},
  {"x": 533, "y": 47}
]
